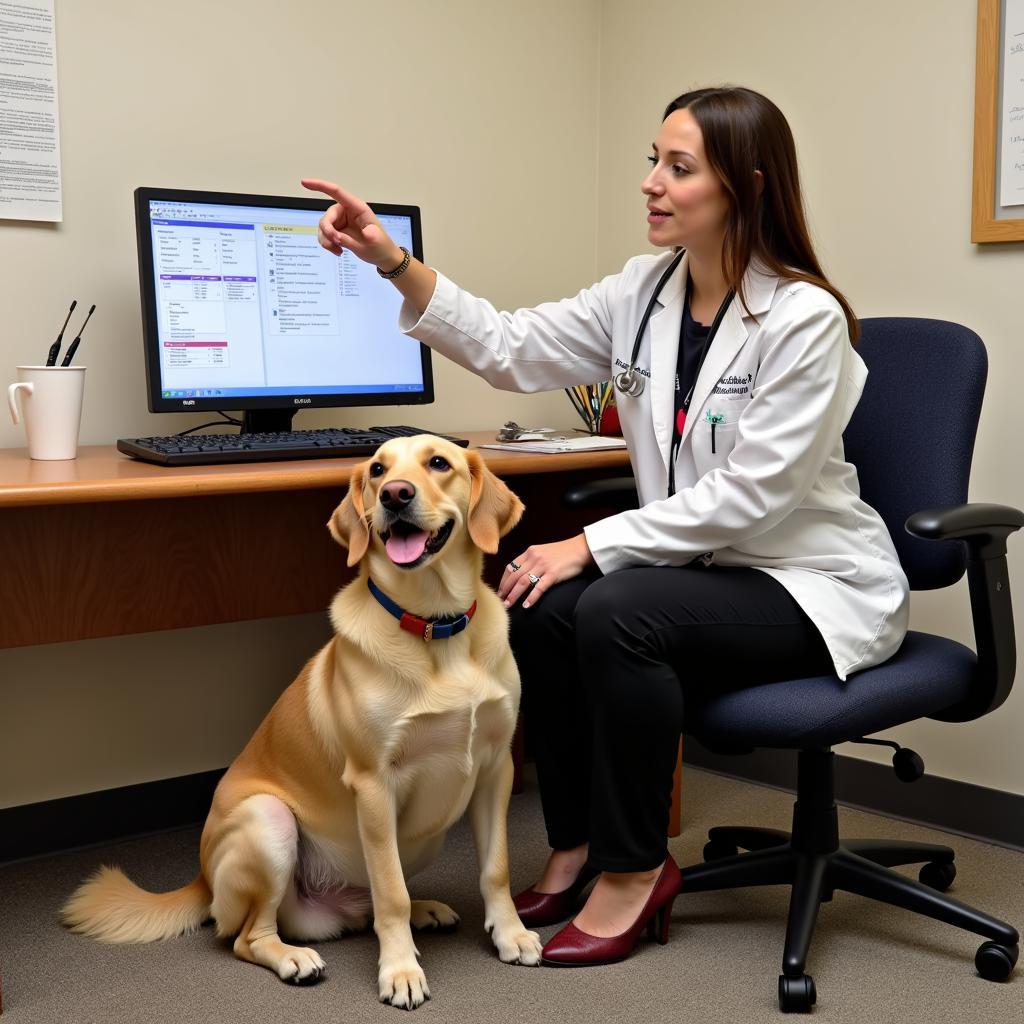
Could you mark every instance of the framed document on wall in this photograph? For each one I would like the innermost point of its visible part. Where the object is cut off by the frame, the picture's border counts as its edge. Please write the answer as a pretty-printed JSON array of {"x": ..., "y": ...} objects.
[{"x": 997, "y": 211}]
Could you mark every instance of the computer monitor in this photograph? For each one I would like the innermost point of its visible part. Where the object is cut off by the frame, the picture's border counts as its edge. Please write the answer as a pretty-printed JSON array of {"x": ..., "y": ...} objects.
[{"x": 243, "y": 310}]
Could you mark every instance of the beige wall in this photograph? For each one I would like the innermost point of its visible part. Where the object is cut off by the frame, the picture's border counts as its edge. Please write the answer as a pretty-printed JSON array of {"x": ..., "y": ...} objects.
[
  {"x": 522, "y": 131},
  {"x": 445, "y": 105},
  {"x": 880, "y": 97}
]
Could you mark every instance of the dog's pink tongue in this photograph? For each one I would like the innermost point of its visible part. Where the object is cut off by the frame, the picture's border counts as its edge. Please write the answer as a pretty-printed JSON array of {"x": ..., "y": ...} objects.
[{"x": 402, "y": 550}]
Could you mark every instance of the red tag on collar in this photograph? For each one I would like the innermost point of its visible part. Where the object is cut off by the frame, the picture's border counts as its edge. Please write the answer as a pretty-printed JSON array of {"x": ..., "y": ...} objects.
[{"x": 414, "y": 624}]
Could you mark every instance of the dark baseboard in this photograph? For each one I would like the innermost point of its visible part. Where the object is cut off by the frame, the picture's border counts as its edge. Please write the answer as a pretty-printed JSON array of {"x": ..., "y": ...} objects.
[
  {"x": 32, "y": 830},
  {"x": 990, "y": 815},
  {"x": 959, "y": 807}
]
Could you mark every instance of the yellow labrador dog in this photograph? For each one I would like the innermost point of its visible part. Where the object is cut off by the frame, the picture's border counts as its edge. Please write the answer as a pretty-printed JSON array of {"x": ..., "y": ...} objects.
[{"x": 396, "y": 727}]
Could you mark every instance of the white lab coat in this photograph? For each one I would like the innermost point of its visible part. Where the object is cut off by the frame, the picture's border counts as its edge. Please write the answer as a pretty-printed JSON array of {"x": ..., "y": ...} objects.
[{"x": 777, "y": 493}]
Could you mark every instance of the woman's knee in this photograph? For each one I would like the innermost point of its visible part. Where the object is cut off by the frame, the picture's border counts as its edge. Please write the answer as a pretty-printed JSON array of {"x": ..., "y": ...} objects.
[
  {"x": 608, "y": 617},
  {"x": 617, "y": 655},
  {"x": 549, "y": 621},
  {"x": 532, "y": 627}
]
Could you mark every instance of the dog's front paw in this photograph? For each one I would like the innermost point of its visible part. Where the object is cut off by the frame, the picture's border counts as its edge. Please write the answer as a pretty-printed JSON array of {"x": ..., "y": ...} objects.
[
  {"x": 403, "y": 985},
  {"x": 518, "y": 946}
]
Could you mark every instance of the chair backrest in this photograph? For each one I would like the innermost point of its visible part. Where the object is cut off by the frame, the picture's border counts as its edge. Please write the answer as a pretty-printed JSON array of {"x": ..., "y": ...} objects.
[{"x": 912, "y": 435}]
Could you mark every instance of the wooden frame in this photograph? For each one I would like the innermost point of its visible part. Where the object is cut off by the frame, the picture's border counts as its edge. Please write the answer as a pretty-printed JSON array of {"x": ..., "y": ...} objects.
[{"x": 985, "y": 227}]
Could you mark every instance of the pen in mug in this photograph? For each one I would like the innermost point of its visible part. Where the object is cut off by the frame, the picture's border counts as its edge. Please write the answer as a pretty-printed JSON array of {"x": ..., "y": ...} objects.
[
  {"x": 593, "y": 393},
  {"x": 577, "y": 404},
  {"x": 73, "y": 348},
  {"x": 51, "y": 356}
]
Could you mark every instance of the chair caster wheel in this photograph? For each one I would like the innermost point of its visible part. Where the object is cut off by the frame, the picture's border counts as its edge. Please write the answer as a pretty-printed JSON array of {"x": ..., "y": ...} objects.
[
  {"x": 717, "y": 850},
  {"x": 937, "y": 876},
  {"x": 797, "y": 995},
  {"x": 995, "y": 962}
]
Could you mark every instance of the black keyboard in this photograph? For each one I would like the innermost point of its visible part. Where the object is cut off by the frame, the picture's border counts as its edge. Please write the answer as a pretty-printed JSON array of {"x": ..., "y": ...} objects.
[{"x": 212, "y": 449}]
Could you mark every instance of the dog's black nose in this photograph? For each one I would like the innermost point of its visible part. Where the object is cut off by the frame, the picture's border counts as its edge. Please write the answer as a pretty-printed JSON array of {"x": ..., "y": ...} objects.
[{"x": 396, "y": 495}]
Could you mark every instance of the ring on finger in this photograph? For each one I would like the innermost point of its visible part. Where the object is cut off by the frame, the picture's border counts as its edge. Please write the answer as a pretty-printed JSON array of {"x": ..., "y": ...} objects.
[
  {"x": 514, "y": 566},
  {"x": 533, "y": 579}
]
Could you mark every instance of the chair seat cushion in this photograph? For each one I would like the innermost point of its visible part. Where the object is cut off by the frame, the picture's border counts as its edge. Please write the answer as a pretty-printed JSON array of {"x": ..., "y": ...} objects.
[{"x": 925, "y": 676}]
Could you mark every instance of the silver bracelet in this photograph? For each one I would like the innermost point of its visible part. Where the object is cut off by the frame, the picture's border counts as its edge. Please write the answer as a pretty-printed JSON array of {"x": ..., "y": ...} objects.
[{"x": 400, "y": 269}]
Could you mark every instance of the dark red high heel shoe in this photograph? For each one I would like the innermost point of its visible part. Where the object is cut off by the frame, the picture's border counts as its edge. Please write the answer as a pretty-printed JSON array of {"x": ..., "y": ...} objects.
[
  {"x": 537, "y": 909},
  {"x": 574, "y": 948}
]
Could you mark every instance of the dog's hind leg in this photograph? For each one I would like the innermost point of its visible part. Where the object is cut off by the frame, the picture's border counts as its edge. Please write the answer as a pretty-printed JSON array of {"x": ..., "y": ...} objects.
[{"x": 251, "y": 876}]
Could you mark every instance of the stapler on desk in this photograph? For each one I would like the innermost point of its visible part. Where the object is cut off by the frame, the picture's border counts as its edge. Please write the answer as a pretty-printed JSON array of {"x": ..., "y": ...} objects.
[{"x": 511, "y": 431}]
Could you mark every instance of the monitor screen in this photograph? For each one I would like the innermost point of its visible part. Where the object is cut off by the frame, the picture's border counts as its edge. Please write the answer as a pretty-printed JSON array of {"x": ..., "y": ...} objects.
[{"x": 243, "y": 310}]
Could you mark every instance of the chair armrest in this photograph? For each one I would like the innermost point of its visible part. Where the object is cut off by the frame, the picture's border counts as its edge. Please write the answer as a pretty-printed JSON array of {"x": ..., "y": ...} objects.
[
  {"x": 983, "y": 528},
  {"x": 617, "y": 492}
]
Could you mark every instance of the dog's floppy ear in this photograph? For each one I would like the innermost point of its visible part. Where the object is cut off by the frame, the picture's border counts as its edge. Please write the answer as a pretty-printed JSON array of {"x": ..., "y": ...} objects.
[
  {"x": 348, "y": 524},
  {"x": 493, "y": 508}
]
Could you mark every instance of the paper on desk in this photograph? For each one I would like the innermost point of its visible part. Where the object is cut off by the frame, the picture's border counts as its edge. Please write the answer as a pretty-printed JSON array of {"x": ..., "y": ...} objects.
[{"x": 570, "y": 444}]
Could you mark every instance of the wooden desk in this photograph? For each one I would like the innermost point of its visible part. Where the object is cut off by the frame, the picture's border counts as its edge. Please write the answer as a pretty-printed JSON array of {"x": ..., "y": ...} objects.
[{"x": 105, "y": 545}]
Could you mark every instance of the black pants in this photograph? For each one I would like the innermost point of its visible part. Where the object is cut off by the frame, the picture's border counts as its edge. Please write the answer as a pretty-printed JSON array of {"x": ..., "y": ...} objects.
[{"x": 606, "y": 664}]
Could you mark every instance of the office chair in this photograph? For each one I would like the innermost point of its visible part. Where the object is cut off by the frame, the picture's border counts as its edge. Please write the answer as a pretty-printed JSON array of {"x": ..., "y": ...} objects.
[{"x": 911, "y": 439}]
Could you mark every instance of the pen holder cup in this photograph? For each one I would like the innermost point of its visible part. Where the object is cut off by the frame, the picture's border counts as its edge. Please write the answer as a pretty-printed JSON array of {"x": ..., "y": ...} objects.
[
  {"x": 595, "y": 405},
  {"x": 51, "y": 405}
]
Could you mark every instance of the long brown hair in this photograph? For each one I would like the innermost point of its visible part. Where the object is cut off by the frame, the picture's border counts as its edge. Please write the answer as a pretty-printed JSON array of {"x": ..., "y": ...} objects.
[{"x": 745, "y": 132}]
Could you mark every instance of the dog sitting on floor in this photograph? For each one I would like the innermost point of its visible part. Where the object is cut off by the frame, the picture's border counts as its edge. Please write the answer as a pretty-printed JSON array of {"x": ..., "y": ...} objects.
[{"x": 401, "y": 723}]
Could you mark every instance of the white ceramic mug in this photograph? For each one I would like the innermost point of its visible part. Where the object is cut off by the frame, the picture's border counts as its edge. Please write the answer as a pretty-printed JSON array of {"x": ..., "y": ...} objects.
[{"x": 51, "y": 401}]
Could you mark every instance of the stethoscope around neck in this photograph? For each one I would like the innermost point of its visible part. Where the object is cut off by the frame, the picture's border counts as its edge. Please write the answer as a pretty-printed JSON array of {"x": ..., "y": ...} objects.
[{"x": 630, "y": 383}]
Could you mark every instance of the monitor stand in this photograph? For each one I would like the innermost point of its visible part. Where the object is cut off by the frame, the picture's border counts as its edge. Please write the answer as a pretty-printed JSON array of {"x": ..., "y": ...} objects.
[{"x": 267, "y": 421}]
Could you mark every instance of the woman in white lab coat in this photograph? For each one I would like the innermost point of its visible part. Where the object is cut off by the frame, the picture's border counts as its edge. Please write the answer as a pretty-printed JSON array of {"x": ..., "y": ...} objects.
[{"x": 752, "y": 556}]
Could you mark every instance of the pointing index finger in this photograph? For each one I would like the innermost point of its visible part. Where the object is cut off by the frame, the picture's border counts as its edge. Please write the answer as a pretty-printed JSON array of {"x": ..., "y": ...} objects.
[{"x": 336, "y": 192}]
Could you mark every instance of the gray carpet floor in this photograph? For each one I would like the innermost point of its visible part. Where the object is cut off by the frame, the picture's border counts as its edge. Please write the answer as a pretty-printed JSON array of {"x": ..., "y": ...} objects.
[{"x": 870, "y": 963}]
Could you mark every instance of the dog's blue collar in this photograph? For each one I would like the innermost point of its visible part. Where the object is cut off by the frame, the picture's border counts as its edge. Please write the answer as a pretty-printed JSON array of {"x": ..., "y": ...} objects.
[{"x": 427, "y": 629}]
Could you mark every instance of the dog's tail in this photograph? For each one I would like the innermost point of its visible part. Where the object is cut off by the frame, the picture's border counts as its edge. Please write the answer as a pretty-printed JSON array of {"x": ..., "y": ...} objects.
[{"x": 112, "y": 908}]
